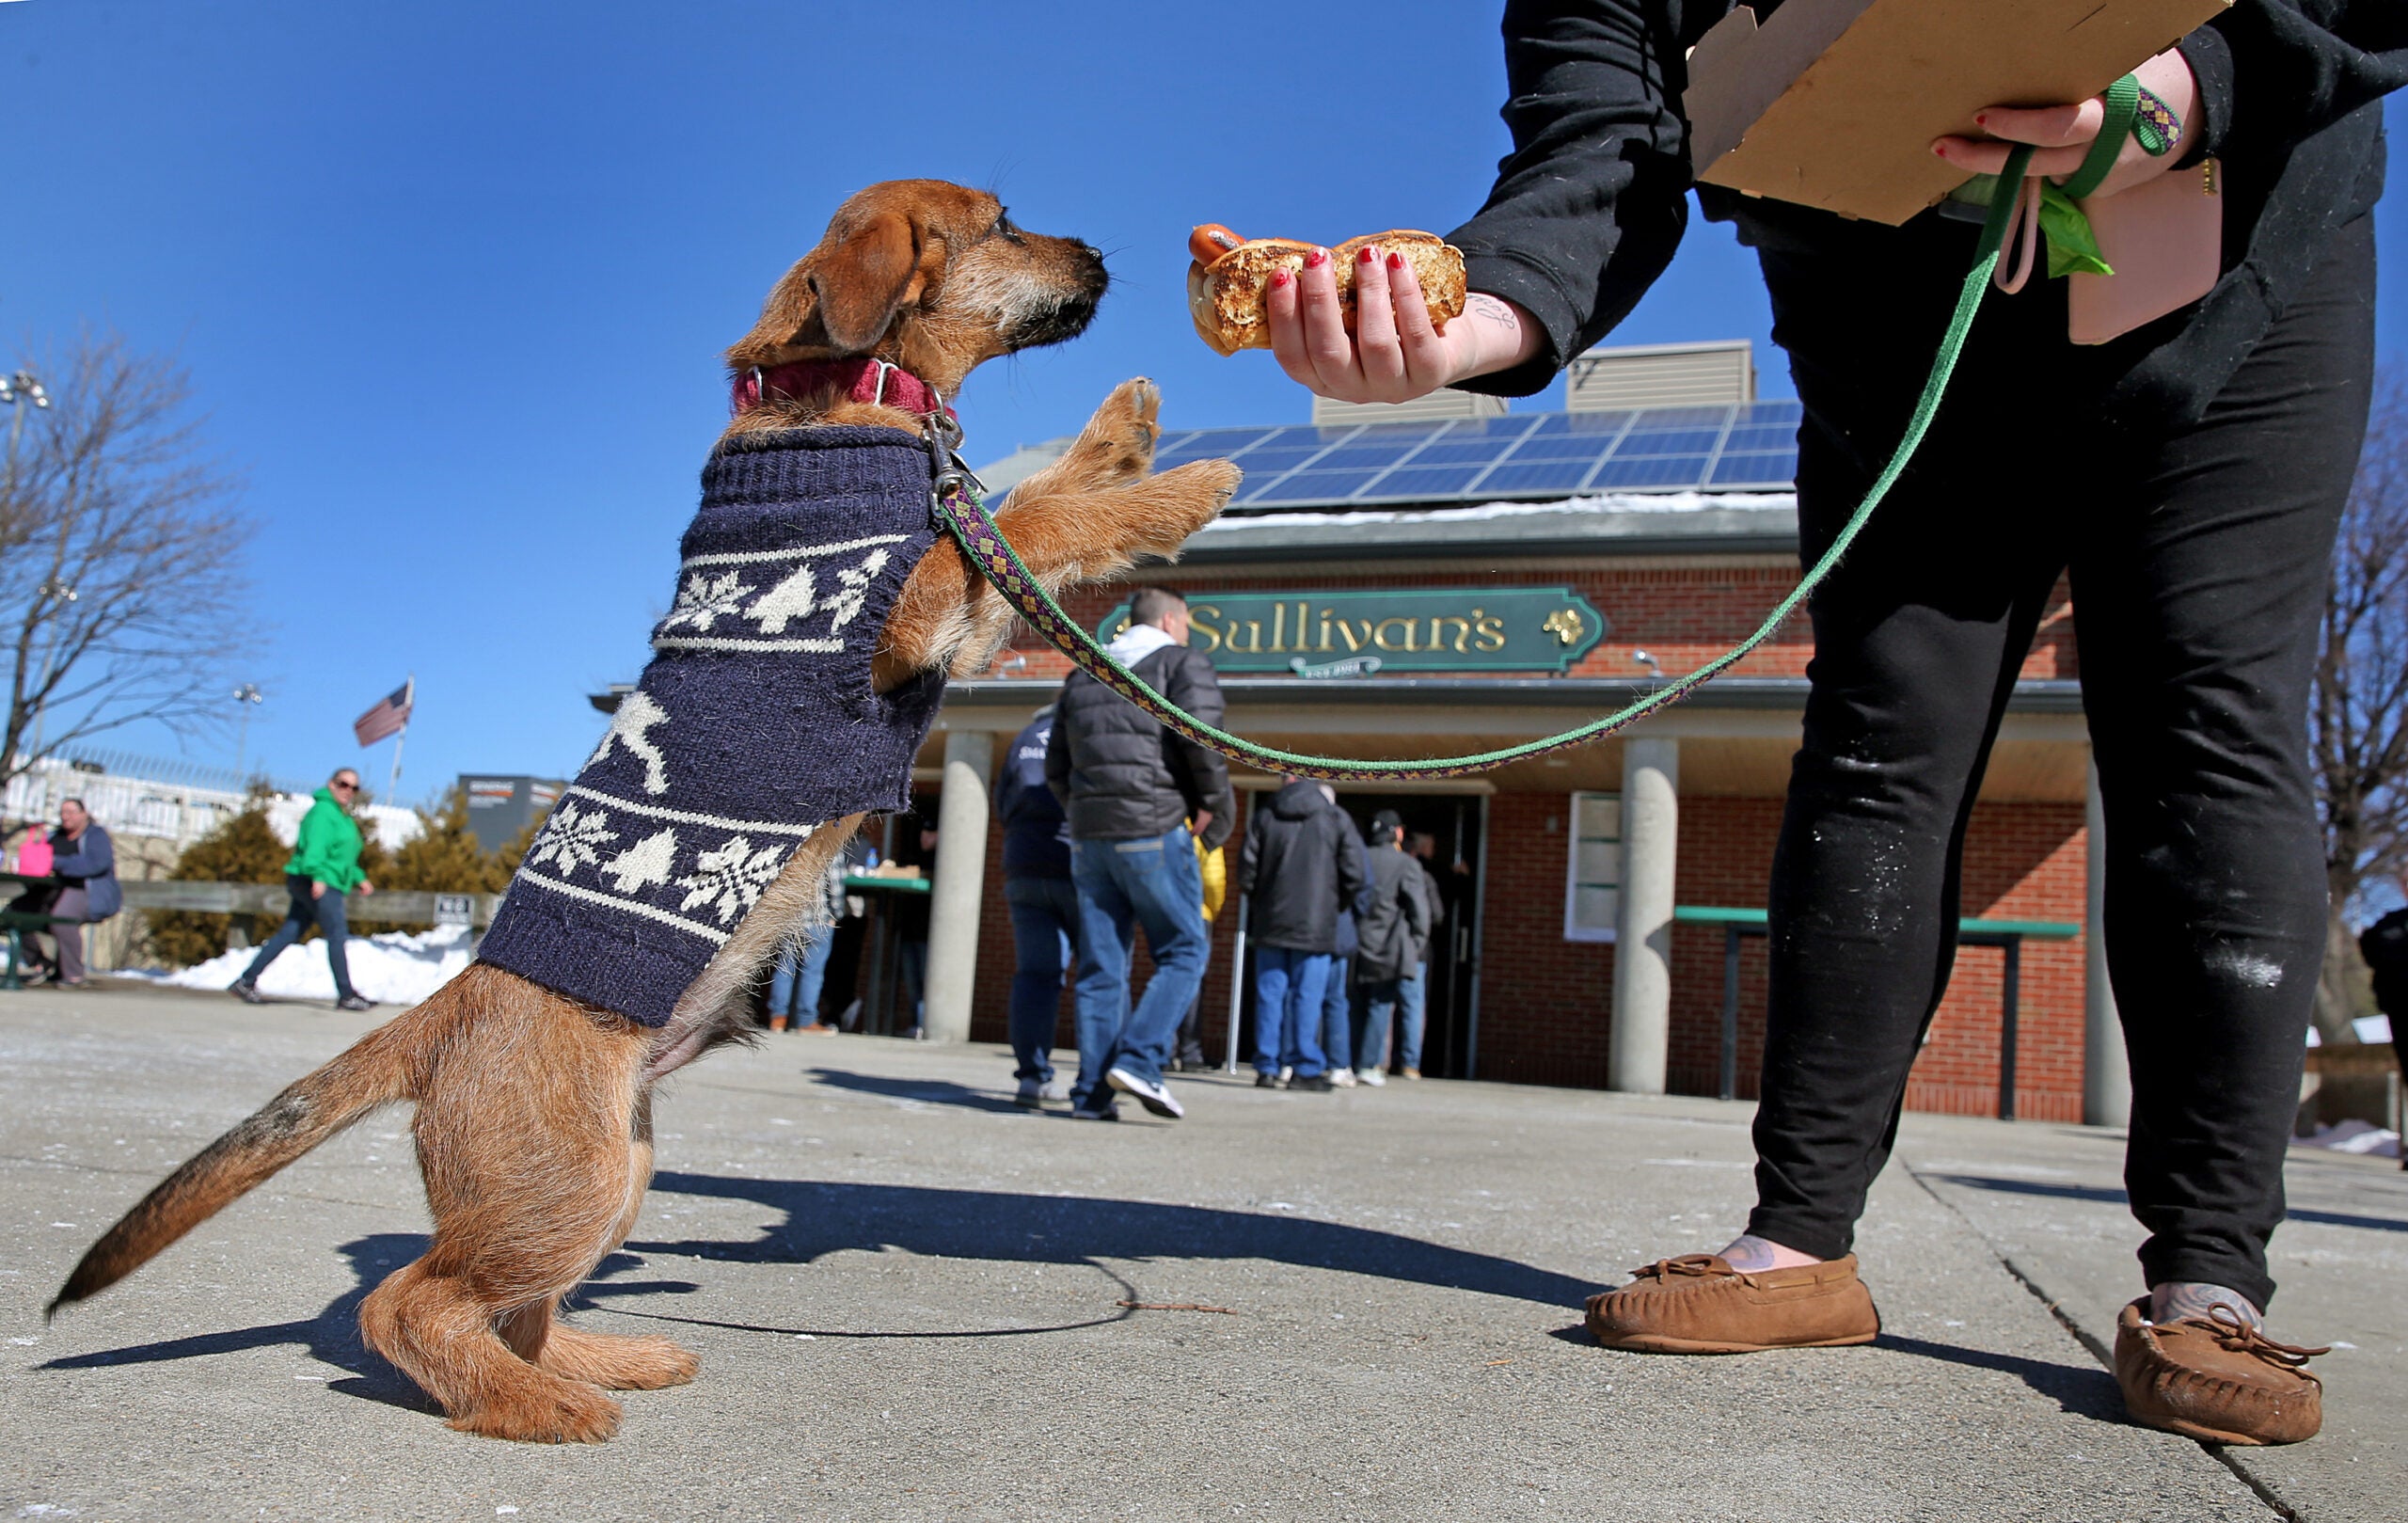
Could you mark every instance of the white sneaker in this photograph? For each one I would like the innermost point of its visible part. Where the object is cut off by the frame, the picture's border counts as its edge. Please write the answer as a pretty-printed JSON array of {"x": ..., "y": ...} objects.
[
  {"x": 1152, "y": 1093},
  {"x": 1286, "y": 1073},
  {"x": 1374, "y": 1077},
  {"x": 1343, "y": 1078},
  {"x": 1057, "y": 1090}
]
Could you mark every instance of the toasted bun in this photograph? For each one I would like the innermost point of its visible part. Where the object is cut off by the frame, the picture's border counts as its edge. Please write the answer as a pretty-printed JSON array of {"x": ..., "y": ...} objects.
[{"x": 1225, "y": 297}]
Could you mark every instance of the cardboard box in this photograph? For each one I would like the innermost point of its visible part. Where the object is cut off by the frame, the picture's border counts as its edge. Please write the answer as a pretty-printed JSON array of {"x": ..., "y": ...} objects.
[{"x": 1835, "y": 103}]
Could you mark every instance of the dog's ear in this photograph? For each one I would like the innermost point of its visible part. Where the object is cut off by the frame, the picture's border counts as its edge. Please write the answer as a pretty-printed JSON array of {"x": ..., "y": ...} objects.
[{"x": 858, "y": 285}]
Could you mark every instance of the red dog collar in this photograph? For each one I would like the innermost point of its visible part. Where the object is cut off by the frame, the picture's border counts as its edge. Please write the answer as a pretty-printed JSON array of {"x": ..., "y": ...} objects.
[{"x": 873, "y": 381}]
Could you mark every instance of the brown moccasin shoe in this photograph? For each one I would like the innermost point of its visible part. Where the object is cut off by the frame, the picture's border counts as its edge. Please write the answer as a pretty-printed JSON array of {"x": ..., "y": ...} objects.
[
  {"x": 2215, "y": 1378},
  {"x": 1698, "y": 1304}
]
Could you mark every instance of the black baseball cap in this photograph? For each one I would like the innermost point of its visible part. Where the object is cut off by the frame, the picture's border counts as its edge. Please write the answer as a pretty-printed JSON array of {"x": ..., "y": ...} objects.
[{"x": 1386, "y": 819}]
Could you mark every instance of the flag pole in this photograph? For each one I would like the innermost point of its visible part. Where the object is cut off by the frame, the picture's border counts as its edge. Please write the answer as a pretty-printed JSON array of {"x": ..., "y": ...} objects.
[{"x": 409, "y": 702}]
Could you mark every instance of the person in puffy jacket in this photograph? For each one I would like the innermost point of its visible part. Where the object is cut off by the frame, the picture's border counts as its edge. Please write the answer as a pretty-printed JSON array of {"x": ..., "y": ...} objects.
[
  {"x": 1299, "y": 867},
  {"x": 84, "y": 862},
  {"x": 1138, "y": 799},
  {"x": 324, "y": 867}
]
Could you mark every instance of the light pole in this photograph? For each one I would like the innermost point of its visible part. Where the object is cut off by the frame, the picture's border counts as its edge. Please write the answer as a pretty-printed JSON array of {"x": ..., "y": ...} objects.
[
  {"x": 17, "y": 391},
  {"x": 246, "y": 698}
]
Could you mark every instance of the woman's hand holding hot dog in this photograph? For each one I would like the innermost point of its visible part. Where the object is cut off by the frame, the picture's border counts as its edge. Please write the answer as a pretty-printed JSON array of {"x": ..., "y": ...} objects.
[
  {"x": 1395, "y": 352},
  {"x": 2063, "y": 134}
]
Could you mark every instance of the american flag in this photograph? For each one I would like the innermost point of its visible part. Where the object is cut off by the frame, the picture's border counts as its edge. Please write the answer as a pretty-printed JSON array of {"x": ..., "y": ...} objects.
[{"x": 390, "y": 715}]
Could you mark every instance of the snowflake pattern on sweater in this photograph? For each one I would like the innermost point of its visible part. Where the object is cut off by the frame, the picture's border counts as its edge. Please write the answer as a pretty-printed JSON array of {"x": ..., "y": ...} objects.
[{"x": 754, "y": 724}]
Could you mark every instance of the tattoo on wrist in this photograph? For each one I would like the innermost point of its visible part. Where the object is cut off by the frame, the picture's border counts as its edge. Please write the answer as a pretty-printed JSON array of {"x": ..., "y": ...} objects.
[{"x": 1492, "y": 310}]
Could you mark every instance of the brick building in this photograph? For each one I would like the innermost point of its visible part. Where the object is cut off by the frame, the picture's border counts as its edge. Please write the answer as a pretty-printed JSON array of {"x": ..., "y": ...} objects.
[{"x": 1448, "y": 579}]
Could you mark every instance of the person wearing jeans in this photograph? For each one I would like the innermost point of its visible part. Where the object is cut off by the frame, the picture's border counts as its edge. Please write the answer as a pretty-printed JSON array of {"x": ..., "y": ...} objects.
[
  {"x": 1139, "y": 801},
  {"x": 1303, "y": 867},
  {"x": 324, "y": 867},
  {"x": 1123, "y": 885},
  {"x": 801, "y": 974},
  {"x": 1044, "y": 905}
]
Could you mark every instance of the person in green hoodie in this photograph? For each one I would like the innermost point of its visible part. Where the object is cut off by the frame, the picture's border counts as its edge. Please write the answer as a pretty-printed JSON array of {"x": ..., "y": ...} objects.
[{"x": 324, "y": 867}]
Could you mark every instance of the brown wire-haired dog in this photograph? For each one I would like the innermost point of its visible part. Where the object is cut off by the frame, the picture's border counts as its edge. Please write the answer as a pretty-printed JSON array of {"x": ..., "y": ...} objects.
[{"x": 533, "y": 1123}]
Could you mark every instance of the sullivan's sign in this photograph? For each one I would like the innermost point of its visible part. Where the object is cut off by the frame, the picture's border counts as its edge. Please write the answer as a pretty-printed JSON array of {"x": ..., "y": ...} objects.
[{"x": 1411, "y": 630}]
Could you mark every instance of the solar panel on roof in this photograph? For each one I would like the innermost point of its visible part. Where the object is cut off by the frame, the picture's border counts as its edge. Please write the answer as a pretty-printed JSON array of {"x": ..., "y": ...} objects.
[{"x": 1534, "y": 455}]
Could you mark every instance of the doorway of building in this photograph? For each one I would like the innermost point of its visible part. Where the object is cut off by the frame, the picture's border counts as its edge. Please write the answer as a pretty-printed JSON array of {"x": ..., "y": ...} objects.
[{"x": 1452, "y": 822}]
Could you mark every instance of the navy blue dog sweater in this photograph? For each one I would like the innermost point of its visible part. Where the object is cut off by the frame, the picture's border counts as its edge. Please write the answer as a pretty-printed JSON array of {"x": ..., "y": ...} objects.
[{"x": 755, "y": 724}]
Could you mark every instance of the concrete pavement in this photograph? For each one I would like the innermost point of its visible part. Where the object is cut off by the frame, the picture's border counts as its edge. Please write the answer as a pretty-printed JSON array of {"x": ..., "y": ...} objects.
[{"x": 912, "y": 1300}]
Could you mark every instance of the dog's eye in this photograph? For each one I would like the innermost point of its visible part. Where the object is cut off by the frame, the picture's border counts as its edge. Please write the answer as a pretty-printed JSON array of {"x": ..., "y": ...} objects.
[{"x": 1004, "y": 228}]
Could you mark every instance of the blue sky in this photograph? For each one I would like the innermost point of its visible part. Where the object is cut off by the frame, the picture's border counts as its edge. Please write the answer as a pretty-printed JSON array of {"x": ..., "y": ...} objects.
[{"x": 452, "y": 279}]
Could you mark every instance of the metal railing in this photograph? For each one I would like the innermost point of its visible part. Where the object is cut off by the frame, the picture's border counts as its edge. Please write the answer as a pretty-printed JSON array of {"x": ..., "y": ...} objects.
[{"x": 394, "y": 906}]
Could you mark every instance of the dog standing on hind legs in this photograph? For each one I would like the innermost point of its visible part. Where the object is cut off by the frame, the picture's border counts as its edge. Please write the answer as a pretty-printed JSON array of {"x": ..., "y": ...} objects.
[{"x": 533, "y": 1126}]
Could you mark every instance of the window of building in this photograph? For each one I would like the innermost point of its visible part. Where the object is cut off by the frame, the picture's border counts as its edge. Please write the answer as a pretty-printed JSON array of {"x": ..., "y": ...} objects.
[{"x": 1593, "y": 877}]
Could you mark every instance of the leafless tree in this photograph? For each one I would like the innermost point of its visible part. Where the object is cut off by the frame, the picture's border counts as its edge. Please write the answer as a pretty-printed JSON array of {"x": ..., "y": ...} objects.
[
  {"x": 119, "y": 556},
  {"x": 2358, "y": 723}
]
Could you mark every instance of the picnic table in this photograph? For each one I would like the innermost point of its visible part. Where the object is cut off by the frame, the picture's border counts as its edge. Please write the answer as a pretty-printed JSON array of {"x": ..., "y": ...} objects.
[
  {"x": 18, "y": 922},
  {"x": 2007, "y": 935}
]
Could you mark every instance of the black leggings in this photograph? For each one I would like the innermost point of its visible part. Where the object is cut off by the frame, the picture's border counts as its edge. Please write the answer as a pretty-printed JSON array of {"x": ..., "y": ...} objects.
[{"x": 2198, "y": 556}]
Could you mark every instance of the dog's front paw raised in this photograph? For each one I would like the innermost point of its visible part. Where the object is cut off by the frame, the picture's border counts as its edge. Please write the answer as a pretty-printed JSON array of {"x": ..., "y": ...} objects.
[{"x": 1117, "y": 444}]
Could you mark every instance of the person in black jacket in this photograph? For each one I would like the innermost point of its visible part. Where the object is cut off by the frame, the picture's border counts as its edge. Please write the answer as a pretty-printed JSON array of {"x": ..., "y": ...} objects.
[
  {"x": 1301, "y": 864},
  {"x": 1138, "y": 799},
  {"x": 1396, "y": 935},
  {"x": 2385, "y": 945},
  {"x": 2188, "y": 476},
  {"x": 1044, "y": 907}
]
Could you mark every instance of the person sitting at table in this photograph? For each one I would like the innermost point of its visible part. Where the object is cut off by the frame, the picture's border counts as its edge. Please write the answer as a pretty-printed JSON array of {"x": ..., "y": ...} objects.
[{"x": 84, "y": 862}]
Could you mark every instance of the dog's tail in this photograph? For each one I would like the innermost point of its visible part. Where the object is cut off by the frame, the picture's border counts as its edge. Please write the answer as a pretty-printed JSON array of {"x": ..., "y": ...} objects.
[{"x": 388, "y": 1064}]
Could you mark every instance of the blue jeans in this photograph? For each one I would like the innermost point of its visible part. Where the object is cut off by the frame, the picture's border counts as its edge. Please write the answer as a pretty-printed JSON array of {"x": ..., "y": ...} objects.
[
  {"x": 1337, "y": 1018},
  {"x": 1380, "y": 1002},
  {"x": 802, "y": 971},
  {"x": 326, "y": 911},
  {"x": 1151, "y": 883},
  {"x": 1045, "y": 935},
  {"x": 1289, "y": 987}
]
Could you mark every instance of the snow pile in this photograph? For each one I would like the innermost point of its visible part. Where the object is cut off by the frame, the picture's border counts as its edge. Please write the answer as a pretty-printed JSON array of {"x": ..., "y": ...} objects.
[
  {"x": 2361, "y": 1137},
  {"x": 395, "y": 968}
]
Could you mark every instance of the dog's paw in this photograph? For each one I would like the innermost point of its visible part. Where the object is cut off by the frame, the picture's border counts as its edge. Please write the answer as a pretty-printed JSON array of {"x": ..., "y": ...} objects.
[
  {"x": 616, "y": 1362},
  {"x": 1118, "y": 444},
  {"x": 1202, "y": 488},
  {"x": 545, "y": 1412}
]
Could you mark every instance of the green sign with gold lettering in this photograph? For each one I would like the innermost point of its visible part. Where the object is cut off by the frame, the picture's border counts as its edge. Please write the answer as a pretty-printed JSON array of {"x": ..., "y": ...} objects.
[{"x": 1410, "y": 629}]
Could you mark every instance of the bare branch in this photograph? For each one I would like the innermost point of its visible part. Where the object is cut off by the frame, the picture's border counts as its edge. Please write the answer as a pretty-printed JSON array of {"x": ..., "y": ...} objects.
[{"x": 120, "y": 556}]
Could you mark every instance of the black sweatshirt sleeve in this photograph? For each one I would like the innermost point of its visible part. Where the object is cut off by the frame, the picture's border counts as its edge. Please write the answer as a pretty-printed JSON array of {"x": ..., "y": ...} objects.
[
  {"x": 2274, "y": 71},
  {"x": 1588, "y": 207}
]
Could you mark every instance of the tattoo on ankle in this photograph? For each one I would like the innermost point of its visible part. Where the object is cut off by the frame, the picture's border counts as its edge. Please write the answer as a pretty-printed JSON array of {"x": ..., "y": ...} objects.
[
  {"x": 2179, "y": 1298},
  {"x": 1748, "y": 1253}
]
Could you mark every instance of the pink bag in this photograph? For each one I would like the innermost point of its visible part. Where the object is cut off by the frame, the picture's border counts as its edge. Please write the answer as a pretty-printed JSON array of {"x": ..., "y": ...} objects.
[{"x": 33, "y": 856}]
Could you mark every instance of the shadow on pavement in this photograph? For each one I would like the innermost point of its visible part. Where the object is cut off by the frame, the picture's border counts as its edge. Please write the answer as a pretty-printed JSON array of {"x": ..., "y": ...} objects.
[
  {"x": 823, "y": 1218},
  {"x": 2082, "y": 1390},
  {"x": 927, "y": 1091},
  {"x": 331, "y": 1336},
  {"x": 2117, "y": 1198}
]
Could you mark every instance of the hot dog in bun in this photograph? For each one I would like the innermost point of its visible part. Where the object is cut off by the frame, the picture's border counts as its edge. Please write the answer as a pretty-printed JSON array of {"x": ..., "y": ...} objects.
[{"x": 1226, "y": 283}]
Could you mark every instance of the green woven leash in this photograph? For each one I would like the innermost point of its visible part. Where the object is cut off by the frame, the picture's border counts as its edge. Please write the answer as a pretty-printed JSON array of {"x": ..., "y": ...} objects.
[{"x": 965, "y": 515}]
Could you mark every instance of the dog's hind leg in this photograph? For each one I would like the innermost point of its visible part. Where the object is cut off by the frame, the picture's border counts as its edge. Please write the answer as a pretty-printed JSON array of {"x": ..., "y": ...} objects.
[
  {"x": 613, "y": 1361},
  {"x": 532, "y": 1173}
]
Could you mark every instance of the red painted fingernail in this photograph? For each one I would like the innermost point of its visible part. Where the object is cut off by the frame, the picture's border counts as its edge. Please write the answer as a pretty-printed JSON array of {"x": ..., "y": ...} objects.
[
  {"x": 1396, "y": 261},
  {"x": 1317, "y": 258}
]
